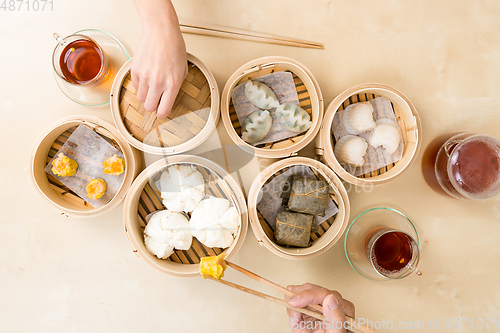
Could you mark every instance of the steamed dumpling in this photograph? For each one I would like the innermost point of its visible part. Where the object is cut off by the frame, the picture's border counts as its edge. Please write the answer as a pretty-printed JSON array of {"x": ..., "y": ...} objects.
[
  {"x": 261, "y": 95},
  {"x": 214, "y": 222},
  {"x": 256, "y": 126},
  {"x": 292, "y": 117},
  {"x": 386, "y": 134},
  {"x": 182, "y": 187},
  {"x": 351, "y": 149},
  {"x": 165, "y": 231},
  {"x": 359, "y": 118}
]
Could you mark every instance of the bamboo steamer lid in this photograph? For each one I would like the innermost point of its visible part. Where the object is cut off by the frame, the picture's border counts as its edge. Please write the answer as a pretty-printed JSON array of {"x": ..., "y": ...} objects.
[
  {"x": 329, "y": 232},
  {"x": 310, "y": 98},
  {"x": 55, "y": 193},
  {"x": 407, "y": 119},
  {"x": 193, "y": 119},
  {"x": 144, "y": 198}
]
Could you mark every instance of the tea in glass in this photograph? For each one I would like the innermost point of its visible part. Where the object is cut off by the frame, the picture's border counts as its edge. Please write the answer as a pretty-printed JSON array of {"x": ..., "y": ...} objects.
[
  {"x": 79, "y": 60},
  {"x": 468, "y": 166}
]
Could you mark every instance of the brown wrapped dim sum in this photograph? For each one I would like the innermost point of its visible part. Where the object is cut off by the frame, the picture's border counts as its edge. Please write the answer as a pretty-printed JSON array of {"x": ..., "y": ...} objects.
[
  {"x": 309, "y": 196},
  {"x": 293, "y": 229}
]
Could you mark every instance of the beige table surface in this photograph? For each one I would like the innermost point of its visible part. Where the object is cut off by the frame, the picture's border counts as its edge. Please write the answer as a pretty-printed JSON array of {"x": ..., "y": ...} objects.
[{"x": 73, "y": 275}]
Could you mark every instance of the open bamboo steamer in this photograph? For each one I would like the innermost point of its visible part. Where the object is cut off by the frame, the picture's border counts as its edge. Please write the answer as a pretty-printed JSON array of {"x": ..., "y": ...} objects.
[
  {"x": 193, "y": 118},
  {"x": 144, "y": 198},
  {"x": 55, "y": 193},
  {"x": 310, "y": 98},
  {"x": 329, "y": 232},
  {"x": 407, "y": 119}
]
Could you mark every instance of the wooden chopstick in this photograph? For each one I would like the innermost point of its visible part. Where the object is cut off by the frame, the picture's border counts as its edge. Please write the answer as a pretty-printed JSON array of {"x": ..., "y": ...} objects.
[
  {"x": 355, "y": 327},
  {"x": 268, "y": 297},
  {"x": 225, "y": 32}
]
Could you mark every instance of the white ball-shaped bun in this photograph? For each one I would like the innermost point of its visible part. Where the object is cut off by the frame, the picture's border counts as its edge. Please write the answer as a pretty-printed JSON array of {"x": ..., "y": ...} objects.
[
  {"x": 386, "y": 134},
  {"x": 359, "y": 118},
  {"x": 351, "y": 149}
]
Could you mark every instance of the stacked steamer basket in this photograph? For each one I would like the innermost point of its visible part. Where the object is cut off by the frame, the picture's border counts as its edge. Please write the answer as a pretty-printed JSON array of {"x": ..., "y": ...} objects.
[
  {"x": 310, "y": 99},
  {"x": 308, "y": 92},
  {"x": 194, "y": 115},
  {"x": 144, "y": 198},
  {"x": 406, "y": 117},
  {"x": 57, "y": 194}
]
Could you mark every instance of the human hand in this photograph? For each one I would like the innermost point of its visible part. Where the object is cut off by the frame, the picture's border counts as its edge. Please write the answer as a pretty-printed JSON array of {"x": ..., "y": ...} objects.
[
  {"x": 160, "y": 63},
  {"x": 335, "y": 308}
]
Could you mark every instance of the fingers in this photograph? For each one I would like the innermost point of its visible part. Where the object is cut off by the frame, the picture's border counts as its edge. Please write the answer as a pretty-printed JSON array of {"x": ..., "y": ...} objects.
[
  {"x": 309, "y": 295},
  {"x": 142, "y": 90},
  {"x": 295, "y": 316},
  {"x": 334, "y": 316},
  {"x": 166, "y": 102},
  {"x": 152, "y": 99}
]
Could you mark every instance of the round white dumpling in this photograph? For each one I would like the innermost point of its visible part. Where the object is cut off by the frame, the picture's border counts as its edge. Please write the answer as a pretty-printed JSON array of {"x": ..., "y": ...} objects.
[
  {"x": 261, "y": 95},
  {"x": 386, "y": 134},
  {"x": 292, "y": 117},
  {"x": 214, "y": 222},
  {"x": 256, "y": 126},
  {"x": 359, "y": 118},
  {"x": 182, "y": 187},
  {"x": 165, "y": 231},
  {"x": 351, "y": 149}
]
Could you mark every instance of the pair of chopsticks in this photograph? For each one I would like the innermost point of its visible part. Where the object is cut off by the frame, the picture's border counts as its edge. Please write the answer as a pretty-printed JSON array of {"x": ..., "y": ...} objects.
[
  {"x": 314, "y": 310},
  {"x": 219, "y": 31}
]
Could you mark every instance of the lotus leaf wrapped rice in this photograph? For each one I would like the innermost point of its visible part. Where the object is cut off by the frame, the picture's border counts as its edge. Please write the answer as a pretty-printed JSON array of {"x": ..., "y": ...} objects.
[
  {"x": 293, "y": 229},
  {"x": 309, "y": 196}
]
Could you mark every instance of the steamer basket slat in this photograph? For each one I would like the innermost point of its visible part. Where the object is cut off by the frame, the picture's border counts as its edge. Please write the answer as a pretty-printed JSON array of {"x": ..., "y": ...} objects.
[
  {"x": 310, "y": 99},
  {"x": 406, "y": 117}
]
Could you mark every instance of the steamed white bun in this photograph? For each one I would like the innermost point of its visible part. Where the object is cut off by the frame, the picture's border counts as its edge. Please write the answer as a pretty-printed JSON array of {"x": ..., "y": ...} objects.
[
  {"x": 182, "y": 187},
  {"x": 214, "y": 223},
  {"x": 165, "y": 231}
]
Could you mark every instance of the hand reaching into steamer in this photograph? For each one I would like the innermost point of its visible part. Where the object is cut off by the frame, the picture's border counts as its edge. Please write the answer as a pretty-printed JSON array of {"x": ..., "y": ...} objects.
[
  {"x": 335, "y": 308},
  {"x": 160, "y": 62}
]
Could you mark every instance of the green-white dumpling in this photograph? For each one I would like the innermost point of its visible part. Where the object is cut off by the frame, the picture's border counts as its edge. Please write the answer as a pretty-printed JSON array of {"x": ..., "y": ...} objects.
[
  {"x": 261, "y": 95},
  {"x": 292, "y": 117},
  {"x": 256, "y": 126}
]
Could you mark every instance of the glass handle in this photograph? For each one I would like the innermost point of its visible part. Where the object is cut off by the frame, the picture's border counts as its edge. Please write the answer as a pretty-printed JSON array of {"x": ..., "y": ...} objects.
[
  {"x": 58, "y": 38},
  {"x": 449, "y": 144}
]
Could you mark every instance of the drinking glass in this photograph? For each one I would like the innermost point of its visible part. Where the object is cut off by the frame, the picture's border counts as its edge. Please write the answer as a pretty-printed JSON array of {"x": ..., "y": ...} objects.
[
  {"x": 86, "y": 50},
  {"x": 366, "y": 243},
  {"x": 467, "y": 166}
]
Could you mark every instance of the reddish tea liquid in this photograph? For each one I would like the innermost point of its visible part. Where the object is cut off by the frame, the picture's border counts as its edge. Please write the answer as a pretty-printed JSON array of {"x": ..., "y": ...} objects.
[
  {"x": 392, "y": 252},
  {"x": 81, "y": 61},
  {"x": 475, "y": 169}
]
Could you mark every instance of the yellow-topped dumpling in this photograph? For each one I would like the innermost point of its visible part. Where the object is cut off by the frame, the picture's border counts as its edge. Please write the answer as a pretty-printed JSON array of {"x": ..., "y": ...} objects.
[
  {"x": 114, "y": 165},
  {"x": 64, "y": 166},
  {"x": 213, "y": 266},
  {"x": 96, "y": 188}
]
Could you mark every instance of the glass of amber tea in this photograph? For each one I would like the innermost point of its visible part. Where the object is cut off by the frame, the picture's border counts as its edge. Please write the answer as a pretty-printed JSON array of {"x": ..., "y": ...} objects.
[
  {"x": 382, "y": 244},
  {"x": 468, "y": 166},
  {"x": 79, "y": 60}
]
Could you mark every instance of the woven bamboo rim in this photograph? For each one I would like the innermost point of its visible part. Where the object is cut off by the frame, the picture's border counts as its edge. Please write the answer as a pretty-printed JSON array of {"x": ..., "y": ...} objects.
[
  {"x": 55, "y": 193},
  {"x": 195, "y": 129},
  {"x": 406, "y": 116},
  {"x": 310, "y": 97},
  {"x": 329, "y": 232},
  {"x": 142, "y": 199}
]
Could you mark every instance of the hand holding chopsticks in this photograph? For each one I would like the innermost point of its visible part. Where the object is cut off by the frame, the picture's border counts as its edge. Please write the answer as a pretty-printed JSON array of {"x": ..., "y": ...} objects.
[{"x": 314, "y": 310}]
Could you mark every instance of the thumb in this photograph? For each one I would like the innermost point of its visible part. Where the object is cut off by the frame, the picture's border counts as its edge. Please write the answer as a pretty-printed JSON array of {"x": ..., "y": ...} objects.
[{"x": 334, "y": 316}]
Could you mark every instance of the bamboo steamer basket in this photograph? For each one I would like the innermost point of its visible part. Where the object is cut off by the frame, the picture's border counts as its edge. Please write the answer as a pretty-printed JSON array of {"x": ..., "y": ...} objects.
[
  {"x": 55, "y": 193},
  {"x": 193, "y": 119},
  {"x": 329, "y": 232},
  {"x": 407, "y": 119},
  {"x": 144, "y": 199},
  {"x": 310, "y": 99}
]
